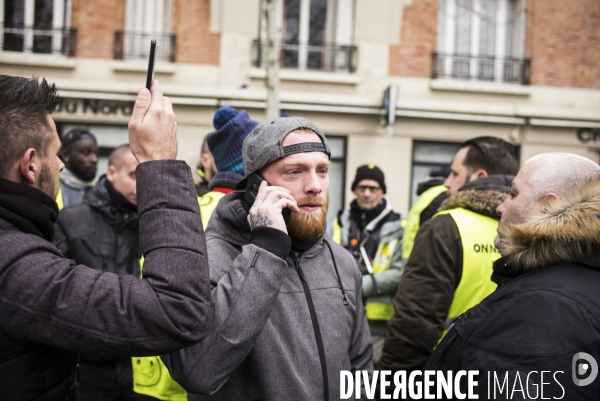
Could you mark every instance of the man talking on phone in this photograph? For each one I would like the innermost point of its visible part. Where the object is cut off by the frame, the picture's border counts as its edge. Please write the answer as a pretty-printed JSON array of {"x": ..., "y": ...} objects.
[
  {"x": 50, "y": 307},
  {"x": 288, "y": 313}
]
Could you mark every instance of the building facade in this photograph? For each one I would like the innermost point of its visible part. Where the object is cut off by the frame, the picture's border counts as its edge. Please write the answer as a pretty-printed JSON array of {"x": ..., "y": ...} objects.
[{"x": 524, "y": 70}]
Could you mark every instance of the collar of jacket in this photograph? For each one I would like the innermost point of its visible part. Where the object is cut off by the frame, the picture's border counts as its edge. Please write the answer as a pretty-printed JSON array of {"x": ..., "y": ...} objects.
[
  {"x": 567, "y": 232},
  {"x": 481, "y": 196},
  {"x": 99, "y": 199},
  {"x": 373, "y": 216},
  {"x": 28, "y": 209}
]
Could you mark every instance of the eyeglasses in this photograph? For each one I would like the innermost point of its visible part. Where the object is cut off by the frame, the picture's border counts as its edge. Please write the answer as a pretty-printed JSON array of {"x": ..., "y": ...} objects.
[{"x": 363, "y": 188}]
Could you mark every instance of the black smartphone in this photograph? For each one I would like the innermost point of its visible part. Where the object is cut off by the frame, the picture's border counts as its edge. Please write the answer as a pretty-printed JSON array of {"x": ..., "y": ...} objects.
[
  {"x": 254, "y": 181},
  {"x": 151, "y": 63}
]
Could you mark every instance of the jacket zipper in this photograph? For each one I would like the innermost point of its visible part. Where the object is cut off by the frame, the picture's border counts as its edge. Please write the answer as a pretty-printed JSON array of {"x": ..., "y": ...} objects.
[{"x": 316, "y": 329}]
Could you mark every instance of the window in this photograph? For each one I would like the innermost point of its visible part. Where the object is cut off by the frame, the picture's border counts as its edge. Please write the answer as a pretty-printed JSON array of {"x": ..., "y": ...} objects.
[
  {"x": 428, "y": 157},
  {"x": 146, "y": 20},
  {"x": 37, "y": 26},
  {"x": 482, "y": 40},
  {"x": 316, "y": 34},
  {"x": 337, "y": 176}
]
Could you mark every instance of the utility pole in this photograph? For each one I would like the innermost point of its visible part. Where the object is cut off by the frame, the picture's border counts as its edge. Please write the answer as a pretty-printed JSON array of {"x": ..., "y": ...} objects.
[{"x": 272, "y": 60}]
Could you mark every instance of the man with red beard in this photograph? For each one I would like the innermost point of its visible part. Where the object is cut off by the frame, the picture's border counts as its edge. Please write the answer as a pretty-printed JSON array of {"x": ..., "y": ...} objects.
[{"x": 288, "y": 313}]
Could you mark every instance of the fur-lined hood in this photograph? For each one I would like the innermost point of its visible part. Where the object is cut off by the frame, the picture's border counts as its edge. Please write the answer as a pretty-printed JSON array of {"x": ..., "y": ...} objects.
[
  {"x": 481, "y": 196},
  {"x": 568, "y": 232}
]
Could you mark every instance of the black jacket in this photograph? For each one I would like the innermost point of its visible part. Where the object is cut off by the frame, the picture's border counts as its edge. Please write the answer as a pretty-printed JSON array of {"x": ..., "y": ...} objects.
[
  {"x": 51, "y": 308},
  {"x": 545, "y": 315},
  {"x": 100, "y": 234}
]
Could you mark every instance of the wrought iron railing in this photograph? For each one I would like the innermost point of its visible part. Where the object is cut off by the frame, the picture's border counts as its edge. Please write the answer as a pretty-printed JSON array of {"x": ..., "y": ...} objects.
[
  {"x": 136, "y": 45},
  {"x": 38, "y": 39},
  {"x": 304, "y": 56},
  {"x": 482, "y": 68}
]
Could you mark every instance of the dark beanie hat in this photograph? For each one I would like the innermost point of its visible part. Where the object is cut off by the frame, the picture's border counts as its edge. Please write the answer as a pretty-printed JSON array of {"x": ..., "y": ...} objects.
[
  {"x": 225, "y": 144},
  {"x": 369, "y": 172},
  {"x": 75, "y": 135}
]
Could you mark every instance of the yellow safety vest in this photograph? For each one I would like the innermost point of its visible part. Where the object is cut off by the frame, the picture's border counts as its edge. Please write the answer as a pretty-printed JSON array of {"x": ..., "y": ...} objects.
[
  {"x": 477, "y": 233},
  {"x": 59, "y": 199},
  {"x": 413, "y": 220},
  {"x": 208, "y": 203},
  {"x": 337, "y": 232},
  {"x": 381, "y": 262},
  {"x": 150, "y": 375}
]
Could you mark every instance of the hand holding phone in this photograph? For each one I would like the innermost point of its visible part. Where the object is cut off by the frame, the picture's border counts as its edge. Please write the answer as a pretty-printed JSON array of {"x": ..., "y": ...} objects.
[
  {"x": 151, "y": 63},
  {"x": 270, "y": 196}
]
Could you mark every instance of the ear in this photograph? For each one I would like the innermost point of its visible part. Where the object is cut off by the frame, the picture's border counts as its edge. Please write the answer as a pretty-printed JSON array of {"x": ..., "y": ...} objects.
[
  {"x": 110, "y": 174},
  {"x": 550, "y": 198},
  {"x": 29, "y": 166},
  {"x": 479, "y": 174}
]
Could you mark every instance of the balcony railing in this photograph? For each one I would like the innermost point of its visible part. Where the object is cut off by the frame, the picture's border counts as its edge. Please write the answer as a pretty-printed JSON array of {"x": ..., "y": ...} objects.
[
  {"x": 39, "y": 40},
  {"x": 136, "y": 45},
  {"x": 482, "y": 68},
  {"x": 303, "y": 56}
]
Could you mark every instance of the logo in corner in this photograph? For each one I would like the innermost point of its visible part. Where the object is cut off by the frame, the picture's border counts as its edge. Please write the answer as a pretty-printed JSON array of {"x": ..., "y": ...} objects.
[{"x": 584, "y": 364}]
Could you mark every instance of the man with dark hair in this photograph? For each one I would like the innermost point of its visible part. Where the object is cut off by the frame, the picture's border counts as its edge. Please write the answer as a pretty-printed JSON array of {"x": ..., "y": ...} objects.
[
  {"x": 288, "y": 314},
  {"x": 450, "y": 267},
  {"x": 371, "y": 231},
  {"x": 80, "y": 155},
  {"x": 50, "y": 307}
]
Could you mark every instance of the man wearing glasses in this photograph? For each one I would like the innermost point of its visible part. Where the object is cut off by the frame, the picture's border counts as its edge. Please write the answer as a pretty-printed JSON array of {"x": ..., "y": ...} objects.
[
  {"x": 372, "y": 233},
  {"x": 450, "y": 267}
]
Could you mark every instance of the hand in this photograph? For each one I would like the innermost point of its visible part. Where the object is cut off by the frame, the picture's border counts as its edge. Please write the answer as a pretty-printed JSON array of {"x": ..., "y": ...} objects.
[
  {"x": 267, "y": 208},
  {"x": 152, "y": 127}
]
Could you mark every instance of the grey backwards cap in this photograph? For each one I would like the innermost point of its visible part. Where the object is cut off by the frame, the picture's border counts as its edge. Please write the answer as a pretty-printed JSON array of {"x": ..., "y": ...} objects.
[{"x": 263, "y": 145}]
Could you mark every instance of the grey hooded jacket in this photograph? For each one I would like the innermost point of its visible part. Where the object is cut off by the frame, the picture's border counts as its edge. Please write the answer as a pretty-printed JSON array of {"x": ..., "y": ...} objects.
[{"x": 263, "y": 345}]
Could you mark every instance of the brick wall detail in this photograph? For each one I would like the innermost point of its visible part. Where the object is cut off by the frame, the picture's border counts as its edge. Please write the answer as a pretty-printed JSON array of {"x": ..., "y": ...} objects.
[{"x": 412, "y": 57}]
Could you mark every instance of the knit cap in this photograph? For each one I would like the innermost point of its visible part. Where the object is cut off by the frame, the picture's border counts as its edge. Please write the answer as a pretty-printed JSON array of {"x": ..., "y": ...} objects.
[
  {"x": 225, "y": 143},
  {"x": 369, "y": 172}
]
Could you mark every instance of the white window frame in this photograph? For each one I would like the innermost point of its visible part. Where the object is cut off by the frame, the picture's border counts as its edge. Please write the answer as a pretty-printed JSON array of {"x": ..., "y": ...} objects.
[
  {"x": 341, "y": 18},
  {"x": 61, "y": 20},
  {"x": 447, "y": 32},
  {"x": 148, "y": 17}
]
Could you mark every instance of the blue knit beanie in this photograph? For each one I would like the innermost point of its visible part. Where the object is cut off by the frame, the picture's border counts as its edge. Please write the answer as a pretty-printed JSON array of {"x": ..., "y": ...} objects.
[{"x": 225, "y": 144}]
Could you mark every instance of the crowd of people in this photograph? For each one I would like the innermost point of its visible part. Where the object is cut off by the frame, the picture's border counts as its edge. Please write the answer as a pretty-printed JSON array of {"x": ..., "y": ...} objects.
[{"x": 139, "y": 285}]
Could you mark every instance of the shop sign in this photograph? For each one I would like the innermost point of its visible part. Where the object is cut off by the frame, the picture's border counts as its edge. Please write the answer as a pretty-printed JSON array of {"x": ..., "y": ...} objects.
[
  {"x": 587, "y": 135},
  {"x": 95, "y": 107}
]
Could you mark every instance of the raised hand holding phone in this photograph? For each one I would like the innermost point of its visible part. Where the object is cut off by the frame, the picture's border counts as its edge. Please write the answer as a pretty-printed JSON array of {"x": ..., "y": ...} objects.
[
  {"x": 152, "y": 127},
  {"x": 269, "y": 205}
]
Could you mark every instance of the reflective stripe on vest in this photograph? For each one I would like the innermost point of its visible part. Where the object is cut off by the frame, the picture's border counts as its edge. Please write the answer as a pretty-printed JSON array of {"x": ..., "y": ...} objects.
[
  {"x": 413, "y": 220},
  {"x": 382, "y": 308},
  {"x": 477, "y": 233}
]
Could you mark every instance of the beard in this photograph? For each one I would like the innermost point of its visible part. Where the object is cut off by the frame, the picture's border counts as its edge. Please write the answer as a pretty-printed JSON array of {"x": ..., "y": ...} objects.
[
  {"x": 307, "y": 226},
  {"x": 47, "y": 184}
]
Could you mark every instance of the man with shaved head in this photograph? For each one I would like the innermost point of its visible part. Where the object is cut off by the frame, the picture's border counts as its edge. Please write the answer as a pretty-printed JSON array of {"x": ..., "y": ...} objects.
[
  {"x": 540, "y": 331},
  {"x": 102, "y": 232}
]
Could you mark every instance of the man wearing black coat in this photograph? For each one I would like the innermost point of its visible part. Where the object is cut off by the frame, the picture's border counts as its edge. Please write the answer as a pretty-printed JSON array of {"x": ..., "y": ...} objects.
[
  {"x": 51, "y": 308},
  {"x": 539, "y": 332},
  {"x": 102, "y": 232}
]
